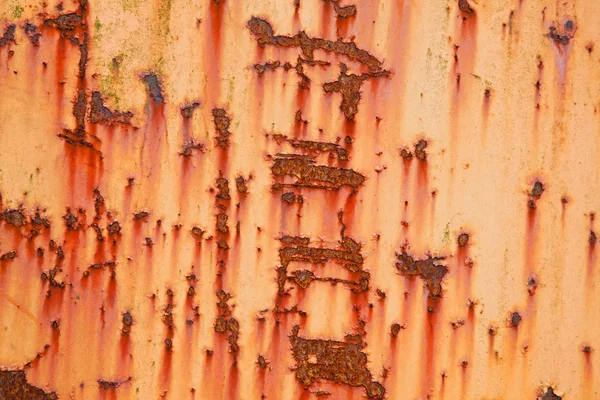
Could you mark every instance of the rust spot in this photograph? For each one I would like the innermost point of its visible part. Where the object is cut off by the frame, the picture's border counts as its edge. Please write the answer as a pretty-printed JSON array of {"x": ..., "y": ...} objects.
[
  {"x": 341, "y": 362},
  {"x": 465, "y": 7},
  {"x": 187, "y": 110},
  {"x": 515, "y": 319},
  {"x": 313, "y": 147},
  {"x": 114, "y": 228},
  {"x": 65, "y": 23},
  {"x": 110, "y": 384},
  {"x": 457, "y": 323},
  {"x": 222, "y": 223},
  {"x": 345, "y": 11},
  {"x": 14, "y": 385},
  {"x": 427, "y": 269},
  {"x": 14, "y": 217},
  {"x": 127, "y": 322},
  {"x": 348, "y": 85},
  {"x": 420, "y": 149},
  {"x": 141, "y": 215},
  {"x": 297, "y": 249},
  {"x": 8, "y": 256},
  {"x": 532, "y": 285},
  {"x": 241, "y": 184},
  {"x": 71, "y": 220},
  {"x": 190, "y": 146},
  {"x": 9, "y": 35},
  {"x": 550, "y": 395},
  {"x": 537, "y": 190},
  {"x": 100, "y": 114},
  {"x": 314, "y": 176},
  {"x": 263, "y": 31},
  {"x": 197, "y": 232},
  {"x": 32, "y": 33},
  {"x": 154, "y": 87},
  {"x": 463, "y": 239},
  {"x": 562, "y": 35},
  {"x": 226, "y": 323},
  {"x": 222, "y": 122},
  {"x": 262, "y": 362},
  {"x": 396, "y": 328}
]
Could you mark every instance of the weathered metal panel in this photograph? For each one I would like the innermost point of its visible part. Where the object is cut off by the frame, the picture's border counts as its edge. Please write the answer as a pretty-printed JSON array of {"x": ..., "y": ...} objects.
[{"x": 227, "y": 199}]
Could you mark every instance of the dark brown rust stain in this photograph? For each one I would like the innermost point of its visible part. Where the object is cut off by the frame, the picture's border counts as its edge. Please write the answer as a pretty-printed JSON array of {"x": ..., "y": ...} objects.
[
  {"x": 226, "y": 323},
  {"x": 189, "y": 147},
  {"x": 296, "y": 248},
  {"x": 107, "y": 384},
  {"x": 65, "y": 23},
  {"x": 127, "y": 321},
  {"x": 536, "y": 192},
  {"x": 562, "y": 35},
  {"x": 550, "y": 395},
  {"x": 153, "y": 86},
  {"x": 9, "y": 35},
  {"x": 310, "y": 175},
  {"x": 222, "y": 189},
  {"x": 31, "y": 31},
  {"x": 187, "y": 110},
  {"x": 348, "y": 85},
  {"x": 222, "y": 123},
  {"x": 395, "y": 329},
  {"x": 71, "y": 220},
  {"x": 11, "y": 255},
  {"x": 343, "y": 11},
  {"x": 336, "y": 361},
  {"x": 515, "y": 319},
  {"x": 14, "y": 385},
  {"x": 427, "y": 269},
  {"x": 221, "y": 223},
  {"x": 263, "y": 31},
  {"x": 291, "y": 198},
  {"x": 465, "y": 7},
  {"x": 419, "y": 151},
  {"x": 304, "y": 82},
  {"x": 241, "y": 184},
  {"x": 463, "y": 239},
  {"x": 312, "y": 147},
  {"x": 100, "y": 114},
  {"x": 14, "y": 217}
]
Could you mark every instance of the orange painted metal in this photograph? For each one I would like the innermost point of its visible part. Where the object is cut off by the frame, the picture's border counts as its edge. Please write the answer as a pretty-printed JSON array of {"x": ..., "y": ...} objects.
[{"x": 298, "y": 199}]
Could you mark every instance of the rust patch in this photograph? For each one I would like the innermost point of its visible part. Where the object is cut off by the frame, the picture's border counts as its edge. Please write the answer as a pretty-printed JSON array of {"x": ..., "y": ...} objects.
[
  {"x": 550, "y": 395},
  {"x": 222, "y": 122},
  {"x": 263, "y": 31},
  {"x": 314, "y": 176},
  {"x": 153, "y": 87},
  {"x": 465, "y": 7},
  {"x": 32, "y": 33},
  {"x": 14, "y": 385},
  {"x": 241, "y": 184},
  {"x": 9, "y": 35},
  {"x": 100, "y": 114},
  {"x": 127, "y": 321},
  {"x": 336, "y": 361},
  {"x": 65, "y": 23},
  {"x": 190, "y": 146},
  {"x": 348, "y": 85},
  {"x": 562, "y": 35},
  {"x": 428, "y": 269},
  {"x": 226, "y": 323},
  {"x": 314, "y": 147},
  {"x": 297, "y": 249},
  {"x": 11, "y": 255},
  {"x": 343, "y": 11},
  {"x": 14, "y": 217},
  {"x": 187, "y": 110}
]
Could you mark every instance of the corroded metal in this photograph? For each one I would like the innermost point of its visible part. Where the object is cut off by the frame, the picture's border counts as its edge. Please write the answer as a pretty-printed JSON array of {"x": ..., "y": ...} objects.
[{"x": 220, "y": 199}]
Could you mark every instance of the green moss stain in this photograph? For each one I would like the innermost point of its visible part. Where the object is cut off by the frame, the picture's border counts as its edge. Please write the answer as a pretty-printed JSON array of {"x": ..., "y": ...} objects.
[{"x": 17, "y": 12}]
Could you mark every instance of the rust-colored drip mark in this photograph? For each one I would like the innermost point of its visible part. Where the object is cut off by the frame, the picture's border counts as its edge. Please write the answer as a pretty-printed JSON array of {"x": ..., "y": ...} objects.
[
  {"x": 153, "y": 87},
  {"x": 427, "y": 269},
  {"x": 222, "y": 123},
  {"x": 8, "y": 36},
  {"x": 226, "y": 323},
  {"x": 263, "y": 31},
  {"x": 337, "y": 361},
  {"x": 14, "y": 385},
  {"x": 310, "y": 175},
  {"x": 296, "y": 248},
  {"x": 343, "y": 11},
  {"x": 348, "y": 85},
  {"x": 100, "y": 114}
]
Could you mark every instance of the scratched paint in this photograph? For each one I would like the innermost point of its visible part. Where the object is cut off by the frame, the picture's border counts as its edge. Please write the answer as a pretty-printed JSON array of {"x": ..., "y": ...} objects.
[{"x": 299, "y": 199}]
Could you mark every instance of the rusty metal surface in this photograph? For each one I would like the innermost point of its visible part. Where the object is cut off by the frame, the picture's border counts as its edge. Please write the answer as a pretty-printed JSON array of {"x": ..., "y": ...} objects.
[{"x": 305, "y": 199}]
